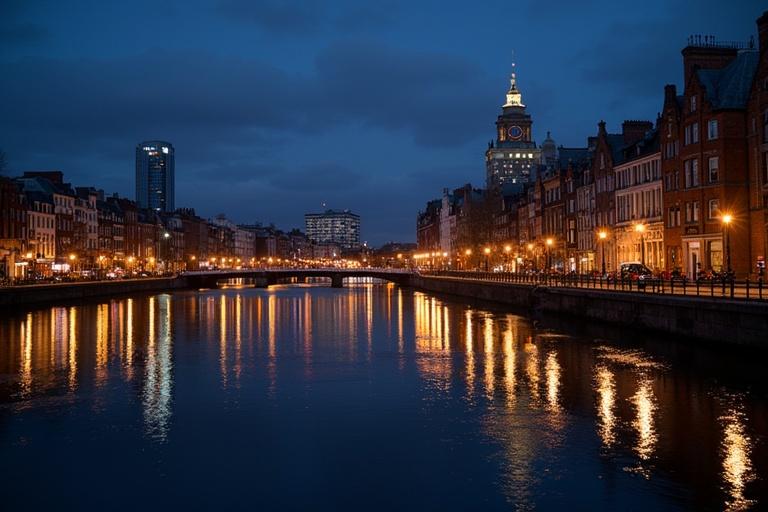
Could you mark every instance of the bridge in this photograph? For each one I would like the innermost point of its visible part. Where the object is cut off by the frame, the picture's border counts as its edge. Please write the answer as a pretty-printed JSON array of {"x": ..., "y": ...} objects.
[{"x": 265, "y": 277}]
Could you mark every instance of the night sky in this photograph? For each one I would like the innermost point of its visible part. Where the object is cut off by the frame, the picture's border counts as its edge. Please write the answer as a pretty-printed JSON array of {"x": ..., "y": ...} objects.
[{"x": 275, "y": 108}]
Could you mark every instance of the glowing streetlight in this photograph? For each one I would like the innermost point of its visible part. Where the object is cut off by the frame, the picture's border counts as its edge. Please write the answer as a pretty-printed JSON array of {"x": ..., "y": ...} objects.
[
  {"x": 549, "y": 243},
  {"x": 640, "y": 228},
  {"x": 603, "y": 235},
  {"x": 726, "y": 219}
]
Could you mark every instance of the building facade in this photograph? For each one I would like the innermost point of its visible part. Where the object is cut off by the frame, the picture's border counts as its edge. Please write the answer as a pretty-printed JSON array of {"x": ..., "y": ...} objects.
[
  {"x": 155, "y": 176},
  {"x": 340, "y": 227}
]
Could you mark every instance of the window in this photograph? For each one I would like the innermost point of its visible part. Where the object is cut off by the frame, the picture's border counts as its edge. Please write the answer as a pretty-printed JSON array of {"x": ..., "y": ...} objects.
[
  {"x": 602, "y": 159},
  {"x": 714, "y": 170},
  {"x": 695, "y": 133},
  {"x": 692, "y": 212},
  {"x": 691, "y": 173},
  {"x": 693, "y": 103},
  {"x": 712, "y": 129},
  {"x": 714, "y": 209}
]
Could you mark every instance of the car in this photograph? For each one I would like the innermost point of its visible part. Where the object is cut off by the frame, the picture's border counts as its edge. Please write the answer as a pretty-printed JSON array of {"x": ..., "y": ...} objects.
[{"x": 635, "y": 271}]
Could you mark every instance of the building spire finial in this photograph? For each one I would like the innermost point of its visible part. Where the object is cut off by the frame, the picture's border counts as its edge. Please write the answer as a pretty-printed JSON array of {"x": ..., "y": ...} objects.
[{"x": 514, "y": 96}]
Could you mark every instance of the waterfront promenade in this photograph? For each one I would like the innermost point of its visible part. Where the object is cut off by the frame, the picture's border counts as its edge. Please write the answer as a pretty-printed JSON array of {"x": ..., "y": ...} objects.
[{"x": 716, "y": 312}]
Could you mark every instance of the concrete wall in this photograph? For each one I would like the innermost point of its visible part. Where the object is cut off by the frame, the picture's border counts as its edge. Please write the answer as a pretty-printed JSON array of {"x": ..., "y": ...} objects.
[
  {"x": 57, "y": 293},
  {"x": 717, "y": 320}
]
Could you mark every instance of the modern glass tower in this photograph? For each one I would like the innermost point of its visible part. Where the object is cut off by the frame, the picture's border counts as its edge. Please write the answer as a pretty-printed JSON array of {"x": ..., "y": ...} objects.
[{"x": 155, "y": 169}]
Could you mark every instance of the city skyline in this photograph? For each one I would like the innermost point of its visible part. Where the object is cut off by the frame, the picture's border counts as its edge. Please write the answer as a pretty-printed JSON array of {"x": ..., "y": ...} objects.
[{"x": 298, "y": 111}]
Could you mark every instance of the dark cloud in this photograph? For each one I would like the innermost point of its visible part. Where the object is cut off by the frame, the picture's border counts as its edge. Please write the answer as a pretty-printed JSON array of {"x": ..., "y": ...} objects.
[
  {"x": 320, "y": 177},
  {"x": 435, "y": 97},
  {"x": 309, "y": 17},
  {"x": 277, "y": 16}
]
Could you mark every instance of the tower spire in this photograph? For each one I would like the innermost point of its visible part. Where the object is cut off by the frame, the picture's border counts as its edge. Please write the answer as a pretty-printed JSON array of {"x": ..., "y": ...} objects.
[{"x": 514, "y": 96}]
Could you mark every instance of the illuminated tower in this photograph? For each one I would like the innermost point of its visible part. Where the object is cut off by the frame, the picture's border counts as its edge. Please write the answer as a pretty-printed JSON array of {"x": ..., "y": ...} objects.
[
  {"x": 155, "y": 169},
  {"x": 513, "y": 157}
]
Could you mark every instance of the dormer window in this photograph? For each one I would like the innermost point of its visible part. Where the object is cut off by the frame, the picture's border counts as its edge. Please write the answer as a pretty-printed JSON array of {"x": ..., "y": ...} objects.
[{"x": 693, "y": 103}]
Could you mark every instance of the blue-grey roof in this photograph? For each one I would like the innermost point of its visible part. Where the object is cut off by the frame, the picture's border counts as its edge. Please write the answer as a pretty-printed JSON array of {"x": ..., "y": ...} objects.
[{"x": 729, "y": 87}]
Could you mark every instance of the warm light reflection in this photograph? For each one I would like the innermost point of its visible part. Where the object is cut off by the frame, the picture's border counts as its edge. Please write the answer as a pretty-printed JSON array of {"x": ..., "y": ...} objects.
[
  {"x": 489, "y": 357},
  {"x": 72, "y": 350},
  {"x": 736, "y": 450},
  {"x": 470, "y": 355},
  {"x": 102, "y": 343},
  {"x": 606, "y": 390},
  {"x": 509, "y": 362},
  {"x": 158, "y": 378},
  {"x": 532, "y": 367},
  {"x": 25, "y": 373},
  {"x": 644, "y": 423},
  {"x": 552, "y": 367},
  {"x": 128, "y": 364}
]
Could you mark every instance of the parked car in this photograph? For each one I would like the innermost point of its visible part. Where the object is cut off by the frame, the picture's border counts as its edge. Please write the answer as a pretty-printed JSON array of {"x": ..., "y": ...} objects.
[{"x": 636, "y": 271}]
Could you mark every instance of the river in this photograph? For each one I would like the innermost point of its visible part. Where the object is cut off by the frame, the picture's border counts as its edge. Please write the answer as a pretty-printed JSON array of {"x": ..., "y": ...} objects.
[{"x": 370, "y": 397}]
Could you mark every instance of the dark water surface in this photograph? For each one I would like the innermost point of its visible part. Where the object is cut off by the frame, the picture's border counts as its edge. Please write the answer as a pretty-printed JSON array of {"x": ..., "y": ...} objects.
[{"x": 369, "y": 397}]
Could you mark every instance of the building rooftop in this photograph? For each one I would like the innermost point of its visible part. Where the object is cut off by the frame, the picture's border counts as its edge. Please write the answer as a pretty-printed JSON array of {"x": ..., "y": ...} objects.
[{"x": 729, "y": 87}]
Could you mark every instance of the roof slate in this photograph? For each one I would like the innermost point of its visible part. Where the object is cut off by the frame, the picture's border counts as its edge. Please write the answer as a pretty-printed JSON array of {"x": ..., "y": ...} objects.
[{"x": 728, "y": 88}]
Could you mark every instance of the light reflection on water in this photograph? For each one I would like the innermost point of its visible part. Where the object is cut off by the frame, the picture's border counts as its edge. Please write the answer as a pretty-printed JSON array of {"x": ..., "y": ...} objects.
[{"x": 533, "y": 409}]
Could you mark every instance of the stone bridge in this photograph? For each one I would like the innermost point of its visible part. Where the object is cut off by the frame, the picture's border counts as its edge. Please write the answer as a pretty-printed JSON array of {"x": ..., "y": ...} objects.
[{"x": 267, "y": 277}]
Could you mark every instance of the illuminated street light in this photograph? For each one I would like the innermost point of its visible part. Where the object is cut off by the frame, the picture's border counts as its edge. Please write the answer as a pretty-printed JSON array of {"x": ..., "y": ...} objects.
[
  {"x": 640, "y": 228},
  {"x": 549, "y": 243},
  {"x": 603, "y": 235},
  {"x": 726, "y": 219}
]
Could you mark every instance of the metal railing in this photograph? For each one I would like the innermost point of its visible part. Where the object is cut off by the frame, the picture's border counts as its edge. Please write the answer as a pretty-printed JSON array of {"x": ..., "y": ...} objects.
[{"x": 715, "y": 287}]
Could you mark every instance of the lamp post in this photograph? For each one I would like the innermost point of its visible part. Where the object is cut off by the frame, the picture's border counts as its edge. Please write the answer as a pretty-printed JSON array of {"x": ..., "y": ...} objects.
[
  {"x": 507, "y": 251},
  {"x": 467, "y": 254},
  {"x": 549, "y": 243},
  {"x": 533, "y": 256},
  {"x": 727, "y": 218},
  {"x": 487, "y": 252},
  {"x": 72, "y": 258},
  {"x": 603, "y": 236},
  {"x": 640, "y": 228}
]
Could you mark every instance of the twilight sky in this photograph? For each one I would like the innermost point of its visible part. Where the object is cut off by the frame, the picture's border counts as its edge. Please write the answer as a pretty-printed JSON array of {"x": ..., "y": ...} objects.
[{"x": 275, "y": 107}]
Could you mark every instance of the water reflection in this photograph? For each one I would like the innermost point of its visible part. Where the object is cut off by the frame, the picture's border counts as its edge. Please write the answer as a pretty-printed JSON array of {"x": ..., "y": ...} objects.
[
  {"x": 545, "y": 405},
  {"x": 736, "y": 449},
  {"x": 158, "y": 380},
  {"x": 606, "y": 390}
]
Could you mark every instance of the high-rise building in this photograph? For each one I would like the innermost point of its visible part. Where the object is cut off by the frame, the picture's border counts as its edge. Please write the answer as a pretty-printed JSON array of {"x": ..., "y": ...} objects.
[
  {"x": 339, "y": 227},
  {"x": 155, "y": 169},
  {"x": 514, "y": 157}
]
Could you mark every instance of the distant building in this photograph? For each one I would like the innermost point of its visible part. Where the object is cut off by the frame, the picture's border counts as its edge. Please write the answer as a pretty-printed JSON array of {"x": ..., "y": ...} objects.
[
  {"x": 155, "y": 170},
  {"x": 514, "y": 157},
  {"x": 334, "y": 226}
]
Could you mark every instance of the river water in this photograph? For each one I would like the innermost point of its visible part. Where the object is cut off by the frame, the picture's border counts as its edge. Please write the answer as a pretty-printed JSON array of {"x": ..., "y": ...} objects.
[{"x": 371, "y": 397}]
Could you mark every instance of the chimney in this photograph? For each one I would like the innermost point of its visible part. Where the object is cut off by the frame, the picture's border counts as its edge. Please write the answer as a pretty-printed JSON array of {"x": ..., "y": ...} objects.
[
  {"x": 703, "y": 52},
  {"x": 634, "y": 131},
  {"x": 762, "y": 32}
]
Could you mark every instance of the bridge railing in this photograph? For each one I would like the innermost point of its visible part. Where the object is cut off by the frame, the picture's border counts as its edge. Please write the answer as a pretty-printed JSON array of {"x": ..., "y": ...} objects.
[{"x": 745, "y": 289}]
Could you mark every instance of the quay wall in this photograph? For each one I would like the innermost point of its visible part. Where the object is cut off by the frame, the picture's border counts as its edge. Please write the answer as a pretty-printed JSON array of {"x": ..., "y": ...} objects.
[
  {"x": 716, "y": 320},
  {"x": 66, "y": 292}
]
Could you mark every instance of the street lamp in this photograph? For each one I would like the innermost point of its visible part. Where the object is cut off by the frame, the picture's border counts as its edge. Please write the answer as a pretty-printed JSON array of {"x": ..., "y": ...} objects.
[
  {"x": 640, "y": 228},
  {"x": 603, "y": 235},
  {"x": 726, "y": 219},
  {"x": 507, "y": 250},
  {"x": 533, "y": 256},
  {"x": 467, "y": 253},
  {"x": 549, "y": 242},
  {"x": 486, "y": 251}
]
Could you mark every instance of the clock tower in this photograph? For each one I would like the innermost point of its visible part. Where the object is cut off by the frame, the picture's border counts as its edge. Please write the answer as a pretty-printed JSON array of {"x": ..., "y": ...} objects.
[{"x": 513, "y": 157}]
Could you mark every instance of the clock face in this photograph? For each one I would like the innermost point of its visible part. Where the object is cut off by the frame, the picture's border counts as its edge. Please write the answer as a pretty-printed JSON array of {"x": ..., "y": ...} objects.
[{"x": 514, "y": 132}]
